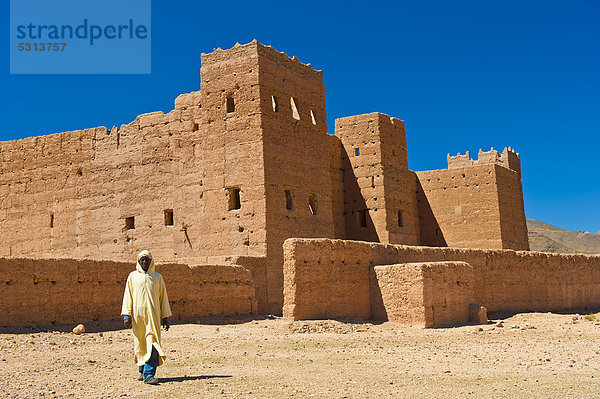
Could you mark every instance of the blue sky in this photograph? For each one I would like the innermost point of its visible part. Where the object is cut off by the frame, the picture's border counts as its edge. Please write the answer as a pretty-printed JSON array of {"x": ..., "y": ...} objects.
[{"x": 463, "y": 75}]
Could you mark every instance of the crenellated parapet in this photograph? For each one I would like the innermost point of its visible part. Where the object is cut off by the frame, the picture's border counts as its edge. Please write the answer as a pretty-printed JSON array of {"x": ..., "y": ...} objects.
[{"x": 508, "y": 159}]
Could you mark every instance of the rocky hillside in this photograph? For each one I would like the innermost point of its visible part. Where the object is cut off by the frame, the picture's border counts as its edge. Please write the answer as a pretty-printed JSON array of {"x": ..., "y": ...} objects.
[{"x": 547, "y": 238}]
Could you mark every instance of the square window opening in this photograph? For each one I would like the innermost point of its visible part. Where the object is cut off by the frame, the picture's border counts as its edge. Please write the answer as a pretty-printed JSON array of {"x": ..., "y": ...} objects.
[
  {"x": 130, "y": 223},
  {"x": 234, "y": 198},
  {"x": 357, "y": 152},
  {"x": 168, "y": 217},
  {"x": 230, "y": 105}
]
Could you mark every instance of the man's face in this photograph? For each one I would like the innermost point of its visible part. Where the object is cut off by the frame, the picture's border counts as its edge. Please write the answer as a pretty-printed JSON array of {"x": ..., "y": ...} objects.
[{"x": 145, "y": 263}]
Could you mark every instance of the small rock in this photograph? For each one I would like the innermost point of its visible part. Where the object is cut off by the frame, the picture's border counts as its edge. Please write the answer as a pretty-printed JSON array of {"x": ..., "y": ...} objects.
[
  {"x": 80, "y": 329},
  {"x": 499, "y": 325},
  {"x": 478, "y": 329}
]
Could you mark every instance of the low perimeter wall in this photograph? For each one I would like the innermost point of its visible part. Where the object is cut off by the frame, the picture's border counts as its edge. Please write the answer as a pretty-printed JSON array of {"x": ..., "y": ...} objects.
[
  {"x": 47, "y": 291},
  {"x": 325, "y": 278}
]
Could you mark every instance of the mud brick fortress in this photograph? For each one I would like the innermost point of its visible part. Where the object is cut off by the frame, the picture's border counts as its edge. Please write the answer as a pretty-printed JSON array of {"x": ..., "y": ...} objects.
[{"x": 250, "y": 206}]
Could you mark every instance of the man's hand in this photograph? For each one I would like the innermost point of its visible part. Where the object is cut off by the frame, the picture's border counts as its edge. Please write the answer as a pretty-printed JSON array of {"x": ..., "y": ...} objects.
[
  {"x": 127, "y": 322},
  {"x": 165, "y": 323}
]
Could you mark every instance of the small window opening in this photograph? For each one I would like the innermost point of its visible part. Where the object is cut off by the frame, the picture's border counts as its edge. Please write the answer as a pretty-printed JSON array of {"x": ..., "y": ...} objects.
[
  {"x": 130, "y": 223},
  {"x": 230, "y": 105},
  {"x": 295, "y": 113},
  {"x": 312, "y": 203},
  {"x": 168, "y": 217},
  {"x": 51, "y": 220},
  {"x": 357, "y": 152},
  {"x": 372, "y": 181},
  {"x": 289, "y": 204},
  {"x": 312, "y": 117},
  {"x": 234, "y": 198},
  {"x": 275, "y": 104},
  {"x": 362, "y": 218},
  {"x": 400, "y": 218}
]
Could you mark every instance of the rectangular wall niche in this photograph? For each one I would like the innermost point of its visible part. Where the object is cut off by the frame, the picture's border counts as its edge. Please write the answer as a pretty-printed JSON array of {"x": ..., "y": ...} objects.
[
  {"x": 51, "y": 220},
  {"x": 362, "y": 217},
  {"x": 233, "y": 194},
  {"x": 130, "y": 223},
  {"x": 168, "y": 217},
  {"x": 289, "y": 201},
  {"x": 400, "y": 218},
  {"x": 312, "y": 203}
]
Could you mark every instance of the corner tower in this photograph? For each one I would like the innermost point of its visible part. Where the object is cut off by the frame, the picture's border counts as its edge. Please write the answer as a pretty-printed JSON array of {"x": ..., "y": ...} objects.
[
  {"x": 272, "y": 110},
  {"x": 379, "y": 190}
]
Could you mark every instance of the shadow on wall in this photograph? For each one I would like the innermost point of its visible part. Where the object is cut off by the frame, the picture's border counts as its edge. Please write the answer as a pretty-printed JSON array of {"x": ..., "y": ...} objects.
[
  {"x": 358, "y": 220},
  {"x": 431, "y": 234}
]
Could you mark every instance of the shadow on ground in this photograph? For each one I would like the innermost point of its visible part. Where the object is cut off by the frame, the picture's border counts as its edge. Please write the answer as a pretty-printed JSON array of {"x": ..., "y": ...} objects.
[{"x": 191, "y": 378}]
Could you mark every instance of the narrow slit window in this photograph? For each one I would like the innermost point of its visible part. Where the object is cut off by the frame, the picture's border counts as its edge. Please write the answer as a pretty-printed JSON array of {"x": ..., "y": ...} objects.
[
  {"x": 230, "y": 105},
  {"x": 234, "y": 198},
  {"x": 357, "y": 152},
  {"x": 51, "y": 220},
  {"x": 289, "y": 201},
  {"x": 295, "y": 113},
  {"x": 312, "y": 203},
  {"x": 372, "y": 181},
  {"x": 312, "y": 117},
  {"x": 130, "y": 223},
  {"x": 168, "y": 217},
  {"x": 400, "y": 218},
  {"x": 275, "y": 104},
  {"x": 362, "y": 218}
]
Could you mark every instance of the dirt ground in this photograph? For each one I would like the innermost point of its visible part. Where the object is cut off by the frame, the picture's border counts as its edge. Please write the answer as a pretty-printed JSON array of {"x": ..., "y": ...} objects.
[{"x": 532, "y": 355}]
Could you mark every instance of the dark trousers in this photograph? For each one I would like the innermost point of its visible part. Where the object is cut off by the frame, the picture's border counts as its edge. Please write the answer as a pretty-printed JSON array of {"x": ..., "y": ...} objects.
[{"x": 149, "y": 368}]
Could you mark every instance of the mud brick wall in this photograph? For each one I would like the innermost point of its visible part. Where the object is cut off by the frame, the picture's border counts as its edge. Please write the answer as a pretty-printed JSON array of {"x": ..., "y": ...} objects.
[
  {"x": 47, "y": 291},
  {"x": 430, "y": 294},
  {"x": 380, "y": 203},
  {"x": 321, "y": 285},
  {"x": 459, "y": 207},
  {"x": 503, "y": 280},
  {"x": 474, "y": 203},
  {"x": 295, "y": 147}
]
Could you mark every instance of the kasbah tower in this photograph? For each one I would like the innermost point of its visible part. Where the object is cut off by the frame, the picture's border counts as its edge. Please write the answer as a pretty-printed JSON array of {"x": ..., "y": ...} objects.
[{"x": 240, "y": 166}]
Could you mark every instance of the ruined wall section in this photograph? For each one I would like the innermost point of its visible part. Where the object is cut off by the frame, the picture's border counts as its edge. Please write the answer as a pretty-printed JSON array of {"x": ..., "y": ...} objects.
[
  {"x": 295, "y": 143},
  {"x": 500, "y": 280},
  {"x": 430, "y": 294},
  {"x": 49, "y": 291},
  {"x": 379, "y": 190}
]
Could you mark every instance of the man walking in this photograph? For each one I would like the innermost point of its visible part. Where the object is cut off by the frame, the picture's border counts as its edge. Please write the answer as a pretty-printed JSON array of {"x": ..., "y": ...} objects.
[{"x": 145, "y": 308}]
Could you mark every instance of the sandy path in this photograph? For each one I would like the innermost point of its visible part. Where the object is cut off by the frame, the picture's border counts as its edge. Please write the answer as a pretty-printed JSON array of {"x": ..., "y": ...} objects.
[{"x": 532, "y": 356}]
